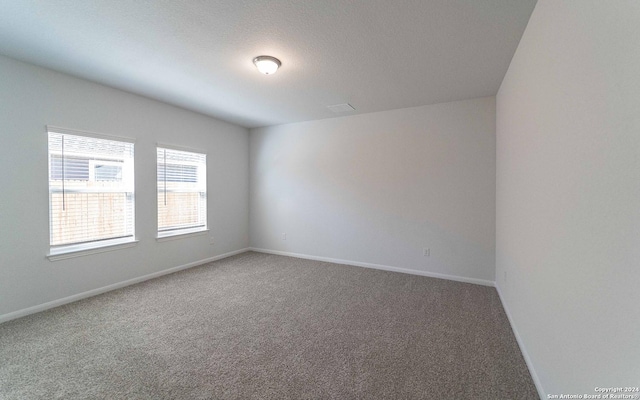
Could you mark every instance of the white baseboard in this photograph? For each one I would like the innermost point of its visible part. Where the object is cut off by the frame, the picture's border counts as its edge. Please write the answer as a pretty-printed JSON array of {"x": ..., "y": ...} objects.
[
  {"x": 108, "y": 288},
  {"x": 378, "y": 266},
  {"x": 523, "y": 350}
]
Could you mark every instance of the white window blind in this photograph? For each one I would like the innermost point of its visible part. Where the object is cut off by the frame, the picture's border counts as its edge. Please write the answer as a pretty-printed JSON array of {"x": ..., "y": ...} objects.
[
  {"x": 182, "y": 191},
  {"x": 91, "y": 189}
]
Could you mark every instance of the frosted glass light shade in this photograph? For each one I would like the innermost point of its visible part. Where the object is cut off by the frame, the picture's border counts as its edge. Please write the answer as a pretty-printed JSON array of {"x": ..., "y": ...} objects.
[{"x": 267, "y": 64}]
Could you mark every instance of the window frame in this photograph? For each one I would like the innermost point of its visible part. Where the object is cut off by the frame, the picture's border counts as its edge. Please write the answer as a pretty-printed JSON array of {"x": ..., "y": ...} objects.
[
  {"x": 64, "y": 251},
  {"x": 185, "y": 232}
]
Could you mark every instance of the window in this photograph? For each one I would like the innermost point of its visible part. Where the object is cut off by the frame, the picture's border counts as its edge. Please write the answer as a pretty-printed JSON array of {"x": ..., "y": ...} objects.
[
  {"x": 91, "y": 191},
  {"x": 182, "y": 192}
]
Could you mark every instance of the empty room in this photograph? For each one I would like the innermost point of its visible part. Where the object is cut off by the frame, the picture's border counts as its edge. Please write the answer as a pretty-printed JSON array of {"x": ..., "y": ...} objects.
[{"x": 324, "y": 199}]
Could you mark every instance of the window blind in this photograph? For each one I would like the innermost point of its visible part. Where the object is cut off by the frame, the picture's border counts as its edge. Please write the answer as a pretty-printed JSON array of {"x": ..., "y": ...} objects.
[
  {"x": 91, "y": 189},
  {"x": 182, "y": 191}
]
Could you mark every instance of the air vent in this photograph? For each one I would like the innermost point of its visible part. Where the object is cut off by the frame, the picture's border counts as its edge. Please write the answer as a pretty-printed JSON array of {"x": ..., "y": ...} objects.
[{"x": 341, "y": 108}]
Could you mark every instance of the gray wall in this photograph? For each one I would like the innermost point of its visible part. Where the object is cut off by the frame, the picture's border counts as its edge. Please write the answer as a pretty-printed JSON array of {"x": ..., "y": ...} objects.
[
  {"x": 378, "y": 188},
  {"x": 32, "y": 97},
  {"x": 568, "y": 194}
]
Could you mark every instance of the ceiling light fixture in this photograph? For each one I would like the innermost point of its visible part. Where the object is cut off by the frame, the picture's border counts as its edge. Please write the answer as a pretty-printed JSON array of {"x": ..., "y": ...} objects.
[{"x": 267, "y": 64}]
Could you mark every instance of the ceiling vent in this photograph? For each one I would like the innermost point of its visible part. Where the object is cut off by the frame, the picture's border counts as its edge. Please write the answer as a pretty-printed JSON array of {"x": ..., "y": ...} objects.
[{"x": 341, "y": 108}]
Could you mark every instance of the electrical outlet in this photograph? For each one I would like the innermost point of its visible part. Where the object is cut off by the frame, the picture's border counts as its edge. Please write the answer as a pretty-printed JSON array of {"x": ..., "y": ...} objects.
[
  {"x": 284, "y": 236},
  {"x": 426, "y": 252},
  {"x": 212, "y": 241}
]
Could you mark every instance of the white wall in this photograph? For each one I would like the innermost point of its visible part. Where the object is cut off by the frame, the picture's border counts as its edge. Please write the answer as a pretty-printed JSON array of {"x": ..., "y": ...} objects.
[
  {"x": 32, "y": 97},
  {"x": 378, "y": 188},
  {"x": 568, "y": 193}
]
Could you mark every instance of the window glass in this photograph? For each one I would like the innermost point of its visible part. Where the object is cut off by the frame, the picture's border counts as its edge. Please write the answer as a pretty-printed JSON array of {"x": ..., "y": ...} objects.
[
  {"x": 182, "y": 191},
  {"x": 91, "y": 190}
]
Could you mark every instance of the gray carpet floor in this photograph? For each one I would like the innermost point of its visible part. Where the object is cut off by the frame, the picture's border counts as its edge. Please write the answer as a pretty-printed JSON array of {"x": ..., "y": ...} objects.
[{"x": 259, "y": 326}]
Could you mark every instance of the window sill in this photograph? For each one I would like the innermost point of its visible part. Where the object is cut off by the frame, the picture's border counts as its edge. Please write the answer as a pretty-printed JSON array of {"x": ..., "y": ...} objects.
[
  {"x": 163, "y": 237},
  {"x": 80, "y": 250}
]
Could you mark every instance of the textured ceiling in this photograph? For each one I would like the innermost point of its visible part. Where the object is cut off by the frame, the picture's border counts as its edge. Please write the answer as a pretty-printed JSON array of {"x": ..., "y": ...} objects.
[{"x": 374, "y": 54}]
